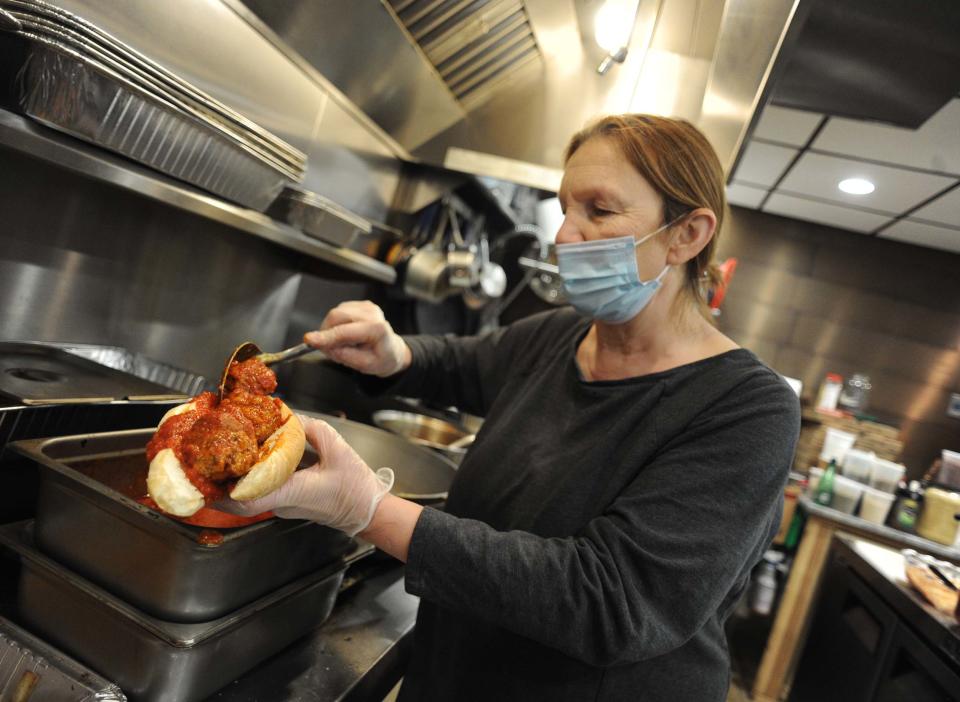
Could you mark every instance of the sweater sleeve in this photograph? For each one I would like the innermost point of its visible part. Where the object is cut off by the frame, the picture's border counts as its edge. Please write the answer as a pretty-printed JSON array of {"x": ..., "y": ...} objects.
[
  {"x": 467, "y": 372},
  {"x": 642, "y": 578}
]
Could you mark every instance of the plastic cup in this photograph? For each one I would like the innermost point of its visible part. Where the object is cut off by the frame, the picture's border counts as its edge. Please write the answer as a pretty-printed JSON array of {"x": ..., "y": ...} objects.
[
  {"x": 886, "y": 475},
  {"x": 858, "y": 465},
  {"x": 813, "y": 479},
  {"x": 846, "y": 494},
  {"x": 949, "y": 469},
  {"x": 836, "y": 443},
  {"x": 876, "y": 505}
]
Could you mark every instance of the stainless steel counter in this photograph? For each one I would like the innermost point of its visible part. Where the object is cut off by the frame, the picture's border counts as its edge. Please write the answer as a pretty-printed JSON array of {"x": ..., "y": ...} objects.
[{"x": 358, "y": 654}]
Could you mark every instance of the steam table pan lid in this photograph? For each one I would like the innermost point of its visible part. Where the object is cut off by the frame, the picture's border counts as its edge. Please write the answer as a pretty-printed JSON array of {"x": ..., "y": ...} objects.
[{"x": 34, "y": 374}]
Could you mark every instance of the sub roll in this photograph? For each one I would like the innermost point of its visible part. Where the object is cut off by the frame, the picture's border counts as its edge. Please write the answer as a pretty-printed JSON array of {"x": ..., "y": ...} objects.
[{"x": 244, "y": 447}]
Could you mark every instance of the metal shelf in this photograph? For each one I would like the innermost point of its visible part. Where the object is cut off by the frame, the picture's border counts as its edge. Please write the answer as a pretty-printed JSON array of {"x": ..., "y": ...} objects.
[{"x": 46, "y": 144}]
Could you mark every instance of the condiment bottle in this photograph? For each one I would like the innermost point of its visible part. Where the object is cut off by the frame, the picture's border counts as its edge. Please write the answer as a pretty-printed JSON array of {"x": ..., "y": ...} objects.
[
  {"x": 823, "y": 493},
  {"x": 907, "y": 509},
  {"x": 830, "y": 392}
]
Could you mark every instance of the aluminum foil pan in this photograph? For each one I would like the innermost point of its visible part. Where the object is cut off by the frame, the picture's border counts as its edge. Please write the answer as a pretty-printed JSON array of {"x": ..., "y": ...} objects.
[
  {"x": 138, "y": 64},
  {"x": 68, "y": 38},
  {"x": 32, "y": 669},
  {"x": 63, "y": 89},
  {"x": 151, "y": 659}
]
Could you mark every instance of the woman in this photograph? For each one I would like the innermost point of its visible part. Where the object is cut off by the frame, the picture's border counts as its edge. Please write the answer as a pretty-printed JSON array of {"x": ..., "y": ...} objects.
[{"x": 630, "y": 470}]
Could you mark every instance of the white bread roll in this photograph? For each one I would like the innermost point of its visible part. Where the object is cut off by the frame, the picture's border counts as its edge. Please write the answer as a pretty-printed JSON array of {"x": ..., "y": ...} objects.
[{"x": 280, "y": 455}]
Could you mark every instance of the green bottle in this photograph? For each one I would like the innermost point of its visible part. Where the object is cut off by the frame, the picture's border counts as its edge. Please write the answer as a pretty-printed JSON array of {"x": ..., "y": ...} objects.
[{"x": 824, "y": 492}]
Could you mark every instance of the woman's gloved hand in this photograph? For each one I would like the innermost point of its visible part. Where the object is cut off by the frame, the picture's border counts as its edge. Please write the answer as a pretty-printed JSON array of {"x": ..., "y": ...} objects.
[
  {"x": 357, "y": 335},
  {"x": 340, "y": 490}
]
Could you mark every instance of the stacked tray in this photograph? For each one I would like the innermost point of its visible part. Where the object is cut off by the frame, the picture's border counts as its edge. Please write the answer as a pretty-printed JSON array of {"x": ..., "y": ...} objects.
[
  {"x": 150, "y": 658},
  {"x": 77, "y": 78},
  {"x": 89, "y": 519}
]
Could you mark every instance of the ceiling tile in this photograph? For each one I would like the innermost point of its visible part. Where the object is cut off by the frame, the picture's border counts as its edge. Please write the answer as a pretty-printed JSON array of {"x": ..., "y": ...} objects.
[
  {"x": 762, "y": 164},
  {"x": 945, "y": 209},
  {"x": 897, "y": 190},
  {"x": 832, "y": 215},
  {"x": 924, "y": 235},
  {"x": 786, "y": 125},
  {"x": 934, "y": 146},
  {"x": 745, "y": 195}
]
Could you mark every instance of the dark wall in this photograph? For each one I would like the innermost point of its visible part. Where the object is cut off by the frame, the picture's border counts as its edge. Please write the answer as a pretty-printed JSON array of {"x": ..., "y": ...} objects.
[{"x": 811, "y": 299}]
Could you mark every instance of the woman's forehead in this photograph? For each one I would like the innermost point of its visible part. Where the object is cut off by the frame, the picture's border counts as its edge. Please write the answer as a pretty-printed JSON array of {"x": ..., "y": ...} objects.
[{"x": 598, "y": 169}]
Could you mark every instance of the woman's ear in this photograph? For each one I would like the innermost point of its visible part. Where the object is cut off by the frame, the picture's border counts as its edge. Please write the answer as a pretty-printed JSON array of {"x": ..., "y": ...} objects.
[{"x": 692, "y": 234}]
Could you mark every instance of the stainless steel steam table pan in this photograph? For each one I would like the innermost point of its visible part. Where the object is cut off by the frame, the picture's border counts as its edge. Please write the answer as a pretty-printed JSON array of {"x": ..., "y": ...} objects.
[
  {"x": 151, "y": 659},
  {"x": 137, "y": 61},
  {"x": 319, "y": 217},
  {"x": 67, "y": 37},
  {"x": 62, "y": 88},
  {"x": 88, "y": 518}
]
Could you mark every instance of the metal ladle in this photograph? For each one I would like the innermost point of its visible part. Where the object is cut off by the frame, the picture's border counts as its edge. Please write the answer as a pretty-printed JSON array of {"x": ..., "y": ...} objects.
[{"x": 248, "y": 350}]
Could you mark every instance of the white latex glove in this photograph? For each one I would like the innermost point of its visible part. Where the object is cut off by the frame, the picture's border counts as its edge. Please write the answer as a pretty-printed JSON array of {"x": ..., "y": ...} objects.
[
  {"x": 340, "y": 490},
  {"x": 357, "y": 335}
]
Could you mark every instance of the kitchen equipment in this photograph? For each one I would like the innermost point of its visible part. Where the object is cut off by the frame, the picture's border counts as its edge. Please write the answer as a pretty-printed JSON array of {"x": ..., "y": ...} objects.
[
  {"x": 858, "y": 465},
  {"x": 949, "y": 469},
  {"x": 85, "y": 34},
  {"x": 886, "y": 474},
  {"x": 875, "y": 505},
  {"x": 154, "y": 659},
  {"x": 846, "y": 494},
  {"x": 133, "y": 363},
  {"x": 26, "y": 661},
  {"x": 420, "y": 475},
  {"x": 88, "y": 518},
  {"x": 855, "y": 395},
  {"x": 835, "y": 444},
  {"x": 936, "y": 521},
  {"x": 830, "y": 392},
  {"x": 422, "y": 430},
  {"x": 319, "y": 217},
  {"x": 36, "y": 374},
  {"x": 545, "y": 280},
  {"x": 85, "y": 88}
]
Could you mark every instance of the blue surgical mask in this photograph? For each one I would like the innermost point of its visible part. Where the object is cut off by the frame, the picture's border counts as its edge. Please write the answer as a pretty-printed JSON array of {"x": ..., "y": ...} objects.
[{"x": 601, "y": 278}]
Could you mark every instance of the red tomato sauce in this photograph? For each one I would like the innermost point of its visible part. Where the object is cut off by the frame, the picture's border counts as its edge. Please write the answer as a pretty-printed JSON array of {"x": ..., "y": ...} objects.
[{"x": 250, "y": 384}]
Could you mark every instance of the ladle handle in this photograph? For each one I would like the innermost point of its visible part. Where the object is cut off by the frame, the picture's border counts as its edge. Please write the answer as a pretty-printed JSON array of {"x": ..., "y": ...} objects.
[{"x": 286, "y": 355}]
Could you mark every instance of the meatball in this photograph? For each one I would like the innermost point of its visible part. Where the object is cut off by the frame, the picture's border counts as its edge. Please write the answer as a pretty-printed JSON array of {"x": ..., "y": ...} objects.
[
  {"x": 261, "y": 411},
  {"x": 219, "y": 446},
  {"x": 252, "y": 376}
]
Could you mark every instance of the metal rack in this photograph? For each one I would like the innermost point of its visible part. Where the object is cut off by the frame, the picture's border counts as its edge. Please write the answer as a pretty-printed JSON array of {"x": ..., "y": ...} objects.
[{"x": 23, "y": 135}]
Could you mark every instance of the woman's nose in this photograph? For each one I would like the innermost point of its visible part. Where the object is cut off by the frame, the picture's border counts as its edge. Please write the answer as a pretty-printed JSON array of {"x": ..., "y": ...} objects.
[{"x": 568, "y": 233}]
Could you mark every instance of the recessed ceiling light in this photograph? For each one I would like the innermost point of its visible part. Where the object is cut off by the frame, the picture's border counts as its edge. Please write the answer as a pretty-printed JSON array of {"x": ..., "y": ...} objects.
[{"x": 856, "y": 186}]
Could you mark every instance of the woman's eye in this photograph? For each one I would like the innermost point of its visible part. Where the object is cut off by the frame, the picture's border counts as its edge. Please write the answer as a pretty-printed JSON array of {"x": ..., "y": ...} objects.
[{"x": 598, "y": 211}]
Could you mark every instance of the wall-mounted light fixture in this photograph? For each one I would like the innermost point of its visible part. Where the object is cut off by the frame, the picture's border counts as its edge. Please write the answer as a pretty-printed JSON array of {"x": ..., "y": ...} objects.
[{"x": 613, "y": 27}]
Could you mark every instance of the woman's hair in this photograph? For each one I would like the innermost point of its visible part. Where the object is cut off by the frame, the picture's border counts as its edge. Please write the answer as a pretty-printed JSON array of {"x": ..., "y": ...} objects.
[{"x": 678, "y": 161}]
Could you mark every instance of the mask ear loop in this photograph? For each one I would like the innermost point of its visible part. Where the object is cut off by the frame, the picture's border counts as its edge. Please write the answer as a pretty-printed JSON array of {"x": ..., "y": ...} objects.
[{"x": 656, "y": 231}]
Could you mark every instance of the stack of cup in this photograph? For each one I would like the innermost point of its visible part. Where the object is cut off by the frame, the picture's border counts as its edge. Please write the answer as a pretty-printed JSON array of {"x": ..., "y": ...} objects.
[
  {"x": 858, "y": 465},
  {"x": 846, "y": 494},
  {"x": 886, "y": 475},
  {"x": 836, "y": 443},
  {"x": 876, "y": 504}
]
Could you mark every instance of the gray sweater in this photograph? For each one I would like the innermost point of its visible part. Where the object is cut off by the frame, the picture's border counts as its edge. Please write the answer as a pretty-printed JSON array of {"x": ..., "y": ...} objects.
[{"x": 597, "y": 534}]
